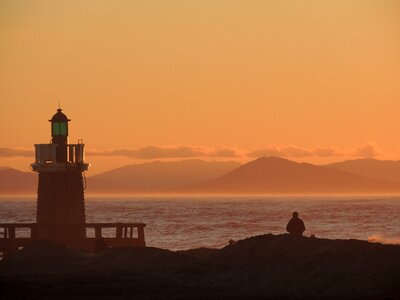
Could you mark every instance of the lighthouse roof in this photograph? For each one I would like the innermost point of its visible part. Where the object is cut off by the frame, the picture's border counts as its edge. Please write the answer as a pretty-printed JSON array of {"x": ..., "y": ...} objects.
[{"x": 59, "y": 117}]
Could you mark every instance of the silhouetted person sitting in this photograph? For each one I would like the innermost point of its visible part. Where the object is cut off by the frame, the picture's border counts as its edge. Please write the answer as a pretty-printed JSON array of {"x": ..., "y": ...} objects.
[{"x": 296, "y": 225}]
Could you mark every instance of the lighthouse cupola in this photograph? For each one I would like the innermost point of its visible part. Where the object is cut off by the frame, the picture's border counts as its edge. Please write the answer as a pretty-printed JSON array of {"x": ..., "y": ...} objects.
[{"x": 59, "y": 135}]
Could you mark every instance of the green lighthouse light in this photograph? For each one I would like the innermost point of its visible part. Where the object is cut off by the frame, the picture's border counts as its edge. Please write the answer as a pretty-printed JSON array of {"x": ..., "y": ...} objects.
[
  {"x": 63, "y": 128},
  {"x": 59, "y": 128},
  {"x": 56, "y": 128},
  {"x": 59, "y": 124}
]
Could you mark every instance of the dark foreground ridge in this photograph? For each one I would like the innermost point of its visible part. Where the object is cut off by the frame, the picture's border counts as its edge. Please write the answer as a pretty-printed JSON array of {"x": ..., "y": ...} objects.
[{"x": 266, "y": 267}]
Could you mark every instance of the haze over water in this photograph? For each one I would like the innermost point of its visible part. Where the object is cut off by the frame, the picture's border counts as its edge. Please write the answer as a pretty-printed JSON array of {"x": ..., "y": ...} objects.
[{"x": 184, "y": 222}]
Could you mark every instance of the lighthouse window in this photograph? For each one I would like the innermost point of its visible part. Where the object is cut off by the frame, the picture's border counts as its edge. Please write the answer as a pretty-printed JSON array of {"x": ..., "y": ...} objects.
[
  {"x": 56, "y": 128},
  {"x": 63, "y": 128}
]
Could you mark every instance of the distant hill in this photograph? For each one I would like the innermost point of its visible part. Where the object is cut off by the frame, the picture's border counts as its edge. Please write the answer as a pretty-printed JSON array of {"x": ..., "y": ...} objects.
[
  {"x": 158, "y": 176},
  {"x": 372, "y": 168},
  {"x": 270, "y": 175},
  {"x": 13, "y": 181},
  {"x": 281, "y": 176}
]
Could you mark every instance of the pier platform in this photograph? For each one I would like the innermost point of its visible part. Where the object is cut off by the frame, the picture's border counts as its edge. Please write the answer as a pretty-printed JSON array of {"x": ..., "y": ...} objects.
[{"x": 14, "y": 236}]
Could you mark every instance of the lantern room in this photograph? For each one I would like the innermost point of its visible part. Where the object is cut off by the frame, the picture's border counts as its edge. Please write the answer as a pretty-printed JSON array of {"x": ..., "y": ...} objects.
[
  {"x": 59, "y": 124},
  {"x": 59, "y": 155}
]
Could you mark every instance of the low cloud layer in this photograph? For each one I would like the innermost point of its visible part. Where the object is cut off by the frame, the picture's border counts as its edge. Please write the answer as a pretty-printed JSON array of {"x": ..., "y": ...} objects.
[
  {"x": 366, "y": 151},
  {"x": 176, "y": 152},
  {"x": 16, "y": 152},
  {"x": 363, "y": 151},
  {"x": 150, "y": 152},
  {"x": 294, "y": 152},
  {"x": 287, "y": 151},
  {"x": 157, "y": 152}
]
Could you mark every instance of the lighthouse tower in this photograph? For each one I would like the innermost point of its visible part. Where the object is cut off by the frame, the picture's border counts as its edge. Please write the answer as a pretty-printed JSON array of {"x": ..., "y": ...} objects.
[{"x": 60, "y": 204}]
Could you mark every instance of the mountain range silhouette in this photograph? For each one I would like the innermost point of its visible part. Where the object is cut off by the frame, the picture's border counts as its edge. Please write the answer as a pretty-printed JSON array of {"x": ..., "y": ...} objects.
[
  {"x": 275, "y": 175},
  {"x": 266, "y": 175}
]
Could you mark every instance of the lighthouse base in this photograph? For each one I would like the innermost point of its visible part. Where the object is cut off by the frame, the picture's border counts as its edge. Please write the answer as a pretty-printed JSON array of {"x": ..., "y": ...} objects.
[{"x": 61, "y": 207}]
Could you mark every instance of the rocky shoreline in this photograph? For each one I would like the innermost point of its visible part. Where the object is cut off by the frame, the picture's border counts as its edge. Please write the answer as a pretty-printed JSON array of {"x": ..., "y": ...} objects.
[{"x": 261, "y": 267}]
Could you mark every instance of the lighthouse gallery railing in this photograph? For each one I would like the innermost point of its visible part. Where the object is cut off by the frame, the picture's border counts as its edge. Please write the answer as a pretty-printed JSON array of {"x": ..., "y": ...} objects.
[{"x": 46, "y": 153}]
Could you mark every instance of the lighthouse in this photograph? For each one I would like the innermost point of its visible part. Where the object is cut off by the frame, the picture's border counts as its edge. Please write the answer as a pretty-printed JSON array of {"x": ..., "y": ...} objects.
[
  {"x": 60, "y": 216},
  {"x": 60, "y": 194}
]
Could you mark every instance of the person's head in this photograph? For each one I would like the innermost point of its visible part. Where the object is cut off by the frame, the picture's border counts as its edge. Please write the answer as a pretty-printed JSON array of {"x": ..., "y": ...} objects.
[{"x": 295, "y": 214}]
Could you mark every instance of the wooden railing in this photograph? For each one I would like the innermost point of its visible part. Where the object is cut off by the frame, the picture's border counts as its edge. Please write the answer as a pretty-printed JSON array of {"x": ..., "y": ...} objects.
[
  {"x": 124, "y": 234},
  {"x": 14, "y": 236}
]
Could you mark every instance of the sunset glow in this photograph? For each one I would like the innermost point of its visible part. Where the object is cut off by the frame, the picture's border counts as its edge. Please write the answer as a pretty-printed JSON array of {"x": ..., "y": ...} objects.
[
  {"x": 313, "y": 81},
  {"x": 209, "y": 149}
]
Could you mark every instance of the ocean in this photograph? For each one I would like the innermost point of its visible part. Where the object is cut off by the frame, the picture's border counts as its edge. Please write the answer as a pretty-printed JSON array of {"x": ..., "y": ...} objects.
[{"x": 184, "y": 222}]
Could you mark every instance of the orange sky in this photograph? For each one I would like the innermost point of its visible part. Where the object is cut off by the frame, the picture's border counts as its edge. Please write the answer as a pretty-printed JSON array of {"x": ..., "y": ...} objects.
[{"x": 312, "y": 80}]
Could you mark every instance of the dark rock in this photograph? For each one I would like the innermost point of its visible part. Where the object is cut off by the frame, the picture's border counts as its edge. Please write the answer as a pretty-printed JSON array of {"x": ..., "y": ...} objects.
[{"x": 266, "y": 266}]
